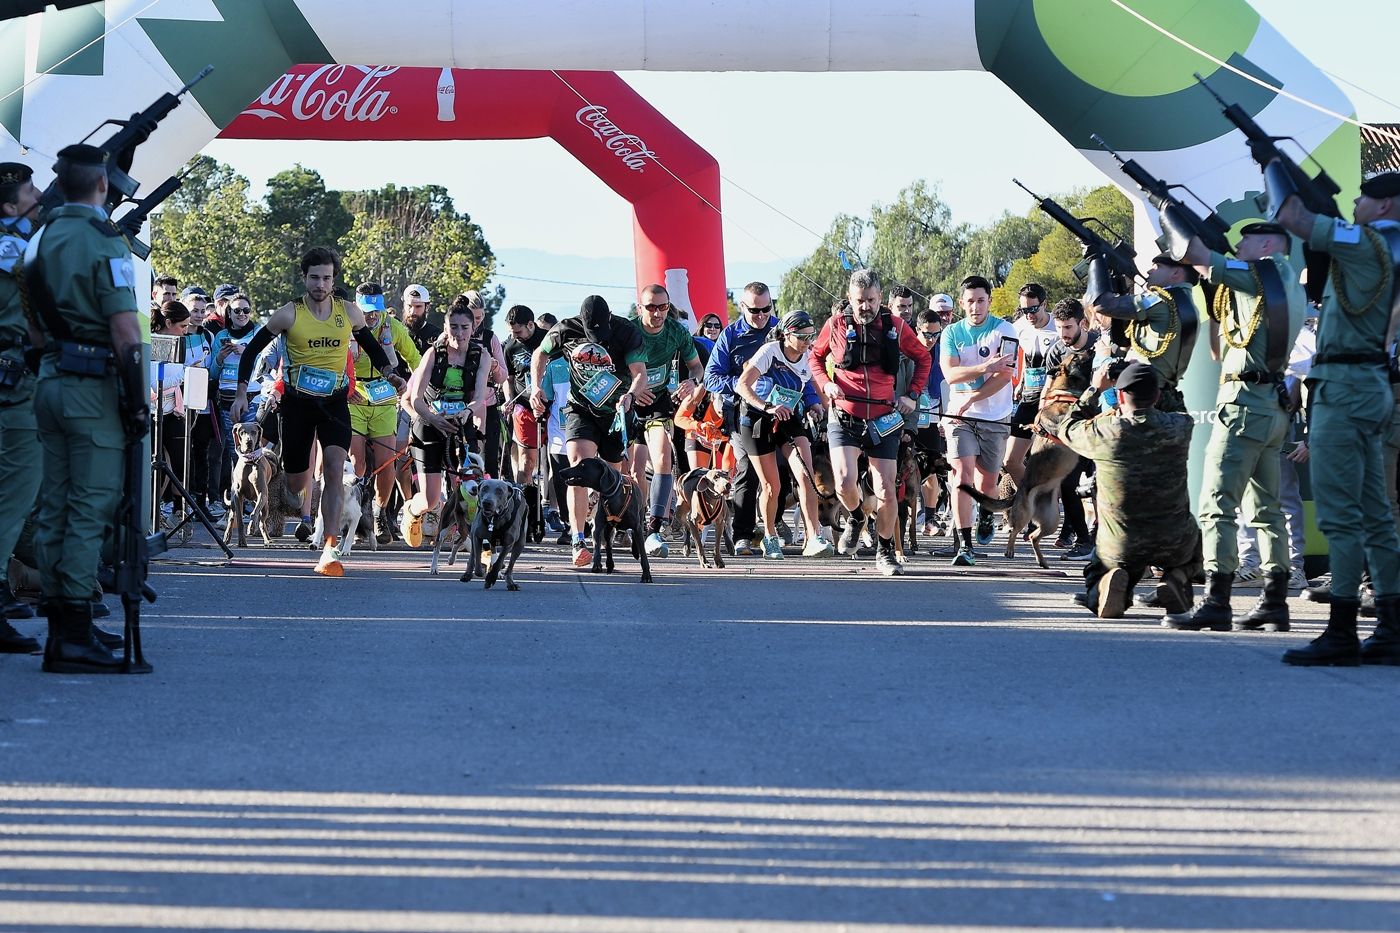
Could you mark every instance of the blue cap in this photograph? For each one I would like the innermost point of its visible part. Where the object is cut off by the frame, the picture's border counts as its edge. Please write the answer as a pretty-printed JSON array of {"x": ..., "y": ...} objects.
[{"x": 371, "y": 303}]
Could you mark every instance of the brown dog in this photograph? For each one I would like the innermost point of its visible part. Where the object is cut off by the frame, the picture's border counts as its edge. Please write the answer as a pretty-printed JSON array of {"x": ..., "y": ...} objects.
[
  {"x": 702, "y": 501},
  {"x": 252, "y": 472},
  {"x": 1037, "y": 499}
]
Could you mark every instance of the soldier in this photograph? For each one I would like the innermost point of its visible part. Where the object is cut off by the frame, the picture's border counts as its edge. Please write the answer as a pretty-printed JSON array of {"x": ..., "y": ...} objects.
[
  {"x": 1352, "y": 405},
  {"x": 1259, "y": 308},
  {"x": 19, "y": 438},
  {"x": 1140, "y": 458},
  {"x": 81, "y": 283},
  {"x": 1163, "y": 324}
]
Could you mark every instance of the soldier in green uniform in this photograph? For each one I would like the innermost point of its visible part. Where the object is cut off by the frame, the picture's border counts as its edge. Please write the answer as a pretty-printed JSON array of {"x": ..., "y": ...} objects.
[
  {"x": 1139, "y": 456},
  {"x": 1259, "y": 308},
  {"x": 1162, "y": 324},
  {"x": 90, "y": 398},
  {"x": 1352, "y": 405},
  {"x": 19, "y": 438}
]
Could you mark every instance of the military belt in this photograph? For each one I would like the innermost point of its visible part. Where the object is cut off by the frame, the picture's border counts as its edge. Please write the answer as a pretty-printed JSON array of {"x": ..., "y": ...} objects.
[
  {"x": 83, "y": 359},
  {"x": 1367, "y": 358}
]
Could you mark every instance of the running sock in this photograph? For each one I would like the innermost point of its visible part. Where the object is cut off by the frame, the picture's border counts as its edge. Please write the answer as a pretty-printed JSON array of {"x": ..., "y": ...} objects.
[
  {"x": 306, "y": 519},
  {"x": 966, "y": 538},
  {"x": 887, "y": 544},
  {"x": 660, "y": 500}
]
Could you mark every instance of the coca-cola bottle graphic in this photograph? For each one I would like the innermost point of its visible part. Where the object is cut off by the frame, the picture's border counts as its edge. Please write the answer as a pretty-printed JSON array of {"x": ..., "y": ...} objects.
[
  {"x": 446, "y": 97},
  {"x": 678, "y": 288}
]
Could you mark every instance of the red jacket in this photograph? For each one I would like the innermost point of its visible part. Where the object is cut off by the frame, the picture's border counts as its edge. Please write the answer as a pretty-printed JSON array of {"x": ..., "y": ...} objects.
[{"x": 865, "y": 382}]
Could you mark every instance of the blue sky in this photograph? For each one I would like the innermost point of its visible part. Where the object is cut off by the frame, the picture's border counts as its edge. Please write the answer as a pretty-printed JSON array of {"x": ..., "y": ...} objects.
[{"x": 811, "y": 145}]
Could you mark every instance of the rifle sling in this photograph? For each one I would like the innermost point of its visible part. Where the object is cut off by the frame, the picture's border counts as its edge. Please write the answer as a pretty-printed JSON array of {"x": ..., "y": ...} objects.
[
  {"x": 1275, "y": 301},
  {"x": 40, "y": 297}
]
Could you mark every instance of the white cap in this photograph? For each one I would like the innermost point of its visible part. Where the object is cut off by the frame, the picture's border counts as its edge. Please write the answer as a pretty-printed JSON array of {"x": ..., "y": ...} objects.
[
  {"x": 417, "y": 291},
  {"x": 942, "y": 299}
]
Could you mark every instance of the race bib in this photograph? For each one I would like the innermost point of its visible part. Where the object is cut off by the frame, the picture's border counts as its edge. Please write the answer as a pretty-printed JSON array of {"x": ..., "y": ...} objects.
[
  {"x": 674, "y": 383},
  {"x": 379, "y": 391},
  {"x": 448, "y": 408},
  {"x": 657, "y": 376},
  {"x": 925, "y": 410},
  {"x": 312, "y": 380},
  {"x": 782, "y": 395},
  {"x": 885, "y": 425},
  {"x": 1035, "y": 378},
  {"x": 600, "y": 387},
  {"x": 228, "y": 375}
]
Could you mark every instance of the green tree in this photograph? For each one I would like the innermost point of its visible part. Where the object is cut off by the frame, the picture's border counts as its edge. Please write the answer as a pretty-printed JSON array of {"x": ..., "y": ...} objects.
[
  {"x": 305, "y": 213},
  {"x": 915, "y": 242},
  {"x": 818, "y": 281},
  {"x": 991, "y": 250}
]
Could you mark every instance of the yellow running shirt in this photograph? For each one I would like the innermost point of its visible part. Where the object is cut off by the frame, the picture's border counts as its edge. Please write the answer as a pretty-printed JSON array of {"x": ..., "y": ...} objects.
[{"x": 317, "y": 350}]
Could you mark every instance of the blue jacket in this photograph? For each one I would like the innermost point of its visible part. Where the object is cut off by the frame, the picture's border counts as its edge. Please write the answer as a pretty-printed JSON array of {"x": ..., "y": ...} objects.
[{"x": 736, "y": 344}]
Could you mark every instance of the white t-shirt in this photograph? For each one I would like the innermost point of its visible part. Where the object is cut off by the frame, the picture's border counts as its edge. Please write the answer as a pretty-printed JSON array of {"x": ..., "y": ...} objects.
[
  {"x": 965, "y": 346},
  {"x": 1035, "y": 344},
  {"x": 770, "y": 355}
]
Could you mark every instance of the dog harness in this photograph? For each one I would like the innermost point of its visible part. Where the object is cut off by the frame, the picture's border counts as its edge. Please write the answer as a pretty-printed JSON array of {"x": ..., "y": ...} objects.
[{"x": 622, "y": 486}]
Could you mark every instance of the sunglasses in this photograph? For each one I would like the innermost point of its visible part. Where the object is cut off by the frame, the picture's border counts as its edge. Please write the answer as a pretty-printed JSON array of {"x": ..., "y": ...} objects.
[
  {"x": 661, "y": 307},
  {"x": 766, "y": 309},
  {"x": 711, "y": 325},
  {"x": 930, "y": 334},
  {"x": 806, "y": 336},
  {"x": 1032, "y": 309},
  {"x": 240, "y": 310}
]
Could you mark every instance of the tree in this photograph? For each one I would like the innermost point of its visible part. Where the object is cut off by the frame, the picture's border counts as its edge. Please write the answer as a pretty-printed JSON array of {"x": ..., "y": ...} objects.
[
  {"x": 305, "y": 213},
  {"x": 915, "y": 241},
  {"x": 818, "y": 281},
  {"x": 992, "y": 250}
]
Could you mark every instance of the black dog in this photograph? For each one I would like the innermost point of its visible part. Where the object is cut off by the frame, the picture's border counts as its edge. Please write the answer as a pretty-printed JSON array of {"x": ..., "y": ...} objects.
[
  {"x": 619, "y": 509},
  {"x": 499, "y": 532}
]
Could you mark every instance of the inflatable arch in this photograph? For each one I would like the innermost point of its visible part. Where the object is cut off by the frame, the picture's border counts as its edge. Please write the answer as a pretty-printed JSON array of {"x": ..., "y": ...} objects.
[{"x": 594, "y": 115}]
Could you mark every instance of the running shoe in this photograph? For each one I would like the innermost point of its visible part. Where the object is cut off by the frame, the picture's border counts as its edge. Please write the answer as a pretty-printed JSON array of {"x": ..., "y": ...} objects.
[
  {"x": 383, "y": 534},
  {"x": 303, "y": 532},
  {"x": 742, "y": 548},
  {"x": 552, "y": 522},
  {"x": 1080, "y": 551},
  {"x": 818, "y": 546},
  {"x": 964, "y": 558},
  {"x": 656, "y": 545},
  {"x": 985, "y": 529},
  {"x": 1249, "y": 577},
  {"x": 886, "y": 563},
  {"x": 411, "y": 527},
  {"x": 583, "y": 557},
  {"x": 329, "y": 565},
  {"x": 1297, "y": 581},
  {"x": 784, "y": 531},
  {"x": 850, "y": 534},
  {"x": 773, "y": 548},
  {"x": 216, "y": 511},
  {"x": 430, "y": 520}
]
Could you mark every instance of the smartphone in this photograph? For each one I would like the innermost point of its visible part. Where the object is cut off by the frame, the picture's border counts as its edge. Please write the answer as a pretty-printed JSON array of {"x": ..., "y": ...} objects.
[{"x": 1008, "y": 346}]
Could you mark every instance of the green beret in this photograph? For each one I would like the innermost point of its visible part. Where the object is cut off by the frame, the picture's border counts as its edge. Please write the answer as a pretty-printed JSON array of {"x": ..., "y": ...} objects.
[
  {"x": 1264, "y": 229},
  {"x": 15, "y": 173},
  {"x": 1384, "y": 185},
  {"x": 83, "y": 154}
]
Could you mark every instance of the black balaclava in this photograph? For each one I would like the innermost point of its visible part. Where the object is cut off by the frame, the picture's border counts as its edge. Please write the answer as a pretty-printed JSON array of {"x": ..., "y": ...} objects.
[{"x": 596, "y": 318}]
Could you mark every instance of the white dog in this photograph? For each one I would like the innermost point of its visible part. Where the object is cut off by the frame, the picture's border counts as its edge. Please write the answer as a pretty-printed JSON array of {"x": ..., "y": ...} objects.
[{"x": 351, "y": 512}]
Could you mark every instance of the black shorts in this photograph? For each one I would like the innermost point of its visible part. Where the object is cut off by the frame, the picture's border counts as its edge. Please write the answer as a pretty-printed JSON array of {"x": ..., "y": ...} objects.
[
  {"x": 583, "y": 425},
  {"x": 1023, "y": 416},
  {"x": 306, "y": 420},
  {"x": 846, "y": 431},
  {"x": 764, "y": 435},
  {"x": 660, "y": 412}
]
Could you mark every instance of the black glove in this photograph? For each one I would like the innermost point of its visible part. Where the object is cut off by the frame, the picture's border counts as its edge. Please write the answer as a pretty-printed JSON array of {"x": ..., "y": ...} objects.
[
  {"x": 1176, "y": 230},
  {"x": 135, "y": 410}
]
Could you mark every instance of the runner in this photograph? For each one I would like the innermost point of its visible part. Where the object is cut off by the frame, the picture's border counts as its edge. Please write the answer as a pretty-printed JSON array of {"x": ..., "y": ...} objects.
[
  {"x": 446, "y": 389},
  {"x": 374, "y": 404},
  {"x": 1036, "y": 335},
  {"x": 318, "y": 329},
  {"x": 865, "y": 342},
  {"x": 777, "y": 390},
  {"x": 525, "y": 338},
  {"x": 604, "y": 353},
  {"x": 490, "y": 343},
  {"x": 664, "y": 340}
]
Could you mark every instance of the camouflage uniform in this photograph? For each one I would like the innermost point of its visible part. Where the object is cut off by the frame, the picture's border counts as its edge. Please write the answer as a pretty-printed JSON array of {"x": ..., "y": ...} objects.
[{"x": 1144, "y": 508}]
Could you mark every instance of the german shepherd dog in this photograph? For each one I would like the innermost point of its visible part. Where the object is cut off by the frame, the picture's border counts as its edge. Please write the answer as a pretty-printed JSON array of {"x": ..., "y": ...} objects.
[{"x": 1049, "y": 462}]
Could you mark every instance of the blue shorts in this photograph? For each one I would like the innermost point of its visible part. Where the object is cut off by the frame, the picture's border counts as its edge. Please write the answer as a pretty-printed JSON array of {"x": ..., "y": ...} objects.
[{"x": 844, "y": 430}]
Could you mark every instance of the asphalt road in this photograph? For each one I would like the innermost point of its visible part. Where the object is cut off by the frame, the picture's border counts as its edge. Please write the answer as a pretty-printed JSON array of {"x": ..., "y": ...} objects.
[{"x": 772, "y": 747}]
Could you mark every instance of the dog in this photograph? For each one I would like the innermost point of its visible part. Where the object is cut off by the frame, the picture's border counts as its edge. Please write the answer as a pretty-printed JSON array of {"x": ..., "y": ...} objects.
[
  {"x": 907, "y": 484},
  {"x": 498, "y": 534},
  {"x": 619, "y": 508},
  {"x": 352, "y": 512},
  {"x": 459, "y": 509},
  {"x": 702, "y": 501},
  {"x": 1037, "y": 499},
  {"x": 249, "y": 482}
]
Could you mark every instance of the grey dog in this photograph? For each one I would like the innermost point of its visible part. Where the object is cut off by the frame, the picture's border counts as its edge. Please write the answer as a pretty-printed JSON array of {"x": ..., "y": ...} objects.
[{"x": 498, "y": 533}]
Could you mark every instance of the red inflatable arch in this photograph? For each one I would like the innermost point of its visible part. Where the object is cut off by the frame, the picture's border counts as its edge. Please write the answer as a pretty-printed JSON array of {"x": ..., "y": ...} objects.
[{"x": 596, "y": 116}]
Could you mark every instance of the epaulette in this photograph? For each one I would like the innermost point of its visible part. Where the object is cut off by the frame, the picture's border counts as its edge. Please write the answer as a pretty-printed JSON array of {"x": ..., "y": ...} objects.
[{"x": 105, "y": 227}]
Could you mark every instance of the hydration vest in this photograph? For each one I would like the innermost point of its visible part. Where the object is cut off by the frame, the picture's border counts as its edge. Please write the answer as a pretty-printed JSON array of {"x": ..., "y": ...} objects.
[
  {"x": 437, "y": 379},
  {"x": 877, "y": 346}
]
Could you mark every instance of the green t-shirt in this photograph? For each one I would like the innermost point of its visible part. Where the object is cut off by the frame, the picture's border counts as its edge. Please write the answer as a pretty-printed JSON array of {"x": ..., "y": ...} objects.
[{"x": 662, "y": 348}]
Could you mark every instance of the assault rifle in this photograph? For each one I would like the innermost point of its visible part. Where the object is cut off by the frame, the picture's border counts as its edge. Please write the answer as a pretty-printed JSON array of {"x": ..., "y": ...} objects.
[
  {"x": 121, "y": 148},
  {"x": 133, "y": 552},
  {"x": 131, "y": 222},
  {"x": 1211, "y": 229},
  {"x": 1122, "y": 259}
]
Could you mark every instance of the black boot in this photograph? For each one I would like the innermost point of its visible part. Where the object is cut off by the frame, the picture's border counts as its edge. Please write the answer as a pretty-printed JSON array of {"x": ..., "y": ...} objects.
[
  {"x": 1212, "y": 612},
  {"x": 1270, "y": 613},
  {"x": 1383, "y": 647},
  {"x": 12, "y": 642},
  {"x": 71, "y": 647},
  {"x": 11, "y": 606},
  {"x": 1337, "y": 646}
]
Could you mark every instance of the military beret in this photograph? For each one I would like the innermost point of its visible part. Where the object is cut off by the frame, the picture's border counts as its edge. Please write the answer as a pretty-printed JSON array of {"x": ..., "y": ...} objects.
[
  {"x": 1384, "y": 185},
  {"x": 1263, "y": 229},
  {"x": 15, "y": 173},
  {"x": 1162, "y": 259},
  {"x": 83, "y": 154},
  {"x": 1138, "y": 380}
]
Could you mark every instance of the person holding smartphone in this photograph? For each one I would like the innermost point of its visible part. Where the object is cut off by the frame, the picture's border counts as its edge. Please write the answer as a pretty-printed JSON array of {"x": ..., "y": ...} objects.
[{"x": 979, "y": 355}]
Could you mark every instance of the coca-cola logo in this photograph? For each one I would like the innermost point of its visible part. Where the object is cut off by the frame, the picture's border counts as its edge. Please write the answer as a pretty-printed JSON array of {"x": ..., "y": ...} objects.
[
  {"x": 322, "y": 94},
  {"x": 630, "y": 149}
]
